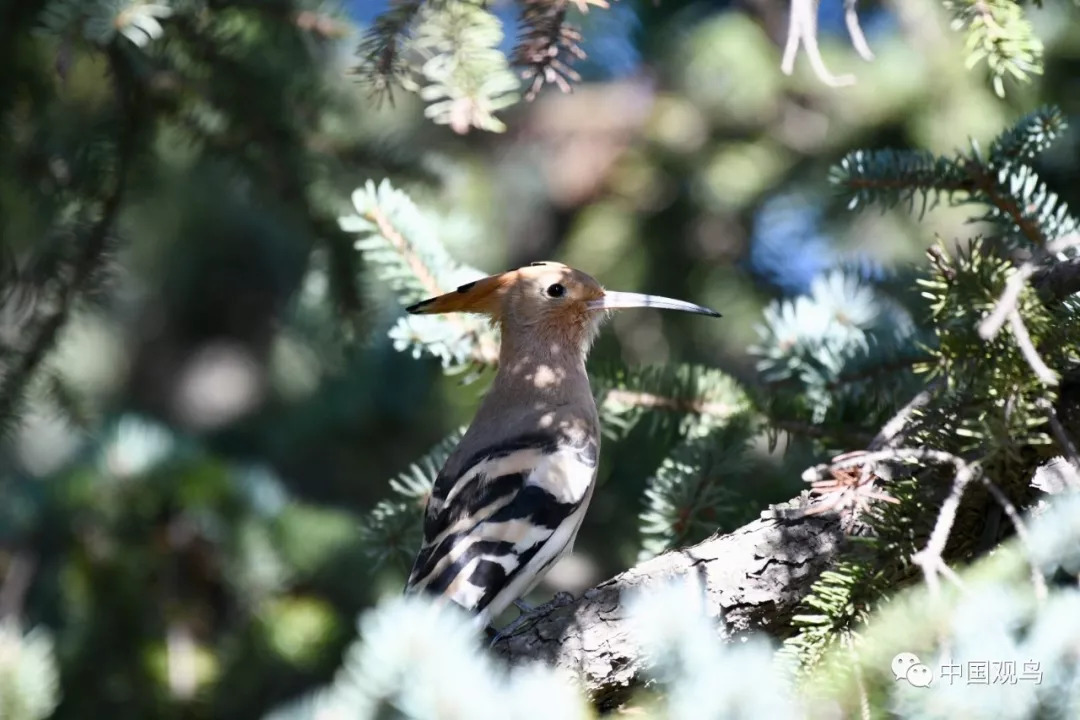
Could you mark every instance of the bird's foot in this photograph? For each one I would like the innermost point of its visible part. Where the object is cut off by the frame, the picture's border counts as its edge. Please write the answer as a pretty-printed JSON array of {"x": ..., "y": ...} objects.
[{"x": 530, "y": 615}]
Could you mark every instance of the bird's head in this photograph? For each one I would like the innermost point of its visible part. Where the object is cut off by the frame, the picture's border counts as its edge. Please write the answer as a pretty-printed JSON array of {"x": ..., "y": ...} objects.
[{"x": 546, "y": 298}]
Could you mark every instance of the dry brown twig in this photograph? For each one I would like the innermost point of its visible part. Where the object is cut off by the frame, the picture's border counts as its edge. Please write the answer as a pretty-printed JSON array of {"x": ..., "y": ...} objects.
[
  {"x": 835, "y": 484},
  {"x": 846, "y": 488}
]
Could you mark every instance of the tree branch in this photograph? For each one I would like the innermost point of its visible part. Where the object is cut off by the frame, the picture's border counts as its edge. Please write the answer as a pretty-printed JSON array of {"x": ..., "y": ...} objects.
[
  {"x": 380, "y": 50},
  {"x": 755, "y": 579},
  {"x": 1058, "y": 281},
  {"x": 635, "y": 398},
  {"x": 754, "y": 576},
  {"x": 86, "y": 262}
]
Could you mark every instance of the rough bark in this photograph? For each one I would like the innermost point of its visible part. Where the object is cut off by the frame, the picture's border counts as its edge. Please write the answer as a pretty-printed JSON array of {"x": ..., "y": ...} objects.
[
  {"x": 1059, "y": 280},
  {"x": 754, "y": 576}
]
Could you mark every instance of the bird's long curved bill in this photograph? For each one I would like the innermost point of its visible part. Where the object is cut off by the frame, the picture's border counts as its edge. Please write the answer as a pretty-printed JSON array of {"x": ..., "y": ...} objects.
[{"x": 622, "y": 300}]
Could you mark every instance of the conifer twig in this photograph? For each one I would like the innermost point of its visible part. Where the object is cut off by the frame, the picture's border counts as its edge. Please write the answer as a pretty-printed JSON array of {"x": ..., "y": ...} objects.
[
  {"x": 43, "y": 339},
  {"x": 380, "y": 50},
  {"x": 86, "y": 262},
  {"x": 652, "y": 400},
  {"x": 419, "y": 270},
  {"x": 1004, "y": 181},
  {"x": 485, "y": 352},
  {"x": 1005, "y": 309},
  {"x": 1027, "y": 348},
  {"x": 546, "y": 42},
  {"x": 992, "y": 323},
  {"x": 931, "y": 558},
  {"x": 985, "y": 180},
  {"x": 850, "y": 377}
]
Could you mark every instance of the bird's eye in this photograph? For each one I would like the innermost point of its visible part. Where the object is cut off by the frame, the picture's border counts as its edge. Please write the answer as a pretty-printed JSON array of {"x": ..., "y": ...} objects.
[{"x": 556, "y": 290}]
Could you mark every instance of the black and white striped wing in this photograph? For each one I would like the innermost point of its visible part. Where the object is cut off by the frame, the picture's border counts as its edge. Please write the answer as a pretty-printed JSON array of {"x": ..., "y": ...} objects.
[{"x": 492, "y": 532}]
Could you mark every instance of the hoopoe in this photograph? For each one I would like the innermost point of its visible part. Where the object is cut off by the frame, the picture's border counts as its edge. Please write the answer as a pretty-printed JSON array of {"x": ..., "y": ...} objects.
[{"x": 510, "y": 499}]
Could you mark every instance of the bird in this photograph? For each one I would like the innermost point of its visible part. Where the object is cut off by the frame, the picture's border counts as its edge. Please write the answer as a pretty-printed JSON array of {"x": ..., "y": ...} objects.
[{"x": 510, "y": 498}]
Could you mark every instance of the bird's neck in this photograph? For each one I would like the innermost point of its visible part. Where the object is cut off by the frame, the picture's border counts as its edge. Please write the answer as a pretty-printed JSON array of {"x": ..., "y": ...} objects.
[
  {"x": 543, "y": 366},
  {"x": 541, "y": 386}
]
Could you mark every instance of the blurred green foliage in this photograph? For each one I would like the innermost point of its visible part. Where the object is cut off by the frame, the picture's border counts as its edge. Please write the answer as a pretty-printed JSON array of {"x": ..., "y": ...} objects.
[{"x": 202, "y": 389}]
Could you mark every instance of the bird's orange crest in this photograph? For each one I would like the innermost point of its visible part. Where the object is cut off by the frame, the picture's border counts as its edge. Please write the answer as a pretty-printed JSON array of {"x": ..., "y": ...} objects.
[{"x": 478, "y": 296}]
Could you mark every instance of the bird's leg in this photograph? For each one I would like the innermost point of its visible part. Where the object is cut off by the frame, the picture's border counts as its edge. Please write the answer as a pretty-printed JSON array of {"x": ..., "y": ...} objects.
[
  {"x": 525, "y": 611},
  {"x": 509, "y": 629},
  {"x": 531, "y": 614}
]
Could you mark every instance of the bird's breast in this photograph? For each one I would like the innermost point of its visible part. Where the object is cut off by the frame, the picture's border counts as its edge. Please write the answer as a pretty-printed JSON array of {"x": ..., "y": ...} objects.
[{"x": 567, "y": 474}]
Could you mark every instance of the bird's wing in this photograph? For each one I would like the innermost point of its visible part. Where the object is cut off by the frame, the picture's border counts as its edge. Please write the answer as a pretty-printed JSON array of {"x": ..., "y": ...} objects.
[{"x": 493, "y": 529}]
